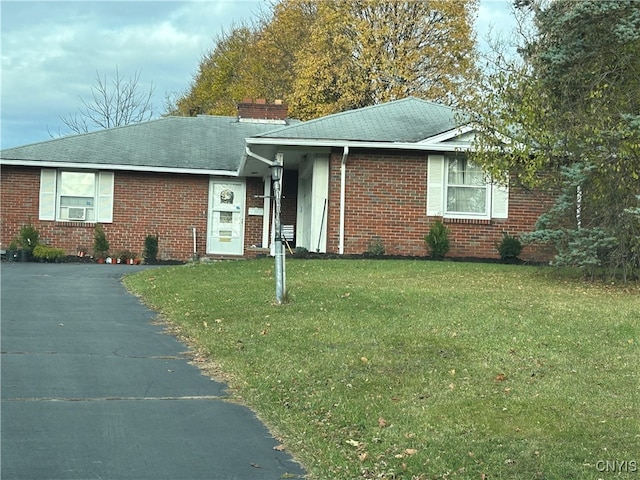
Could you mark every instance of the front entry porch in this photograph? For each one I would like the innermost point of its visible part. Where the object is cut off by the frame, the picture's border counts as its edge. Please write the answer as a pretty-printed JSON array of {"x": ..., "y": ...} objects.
[{"x": 305, "y": 194}]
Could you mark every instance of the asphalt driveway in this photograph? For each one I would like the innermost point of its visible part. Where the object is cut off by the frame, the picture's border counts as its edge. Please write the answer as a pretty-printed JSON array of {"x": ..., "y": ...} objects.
[{"x": 92, "y": 389}]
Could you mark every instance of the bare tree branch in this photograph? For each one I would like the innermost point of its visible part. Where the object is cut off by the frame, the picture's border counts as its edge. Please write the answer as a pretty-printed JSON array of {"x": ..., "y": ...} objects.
[{"x": 112, "y": 104}]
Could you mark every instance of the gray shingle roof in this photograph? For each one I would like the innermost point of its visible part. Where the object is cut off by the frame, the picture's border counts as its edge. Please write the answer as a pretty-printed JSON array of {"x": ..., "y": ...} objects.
[
  {"x": 408, "y": 120},
  {"x": 202, "y": 142},
  {"x": 209, "y": 144}
]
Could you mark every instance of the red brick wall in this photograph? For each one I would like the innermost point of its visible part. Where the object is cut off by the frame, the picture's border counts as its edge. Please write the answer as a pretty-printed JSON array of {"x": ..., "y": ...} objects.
[
  {"x": 18, "y": 204},
  {"x": 253, "y": 223},
  {"x": 166, "y": 205},
  {"x": 386, "y": 198}
]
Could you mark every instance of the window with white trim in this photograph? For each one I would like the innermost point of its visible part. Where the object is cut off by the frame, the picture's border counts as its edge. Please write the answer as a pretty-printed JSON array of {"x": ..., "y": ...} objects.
[
  {"x": 76, "y": 196},
  {"x": 458, "y": 189},
  {"x": 466, "y": 188}
]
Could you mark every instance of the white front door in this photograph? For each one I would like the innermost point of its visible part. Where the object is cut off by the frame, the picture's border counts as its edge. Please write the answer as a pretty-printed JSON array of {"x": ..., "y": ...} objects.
[{"x": 225, "y": 230}]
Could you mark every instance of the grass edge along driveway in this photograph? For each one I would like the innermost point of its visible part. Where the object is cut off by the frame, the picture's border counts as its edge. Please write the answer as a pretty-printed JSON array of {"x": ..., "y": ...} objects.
[{"x": 420, "y": 369}]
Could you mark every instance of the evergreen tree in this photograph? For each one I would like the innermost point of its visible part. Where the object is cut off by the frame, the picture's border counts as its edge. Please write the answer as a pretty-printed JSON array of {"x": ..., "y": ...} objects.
[{"x": 567, "y": 112}]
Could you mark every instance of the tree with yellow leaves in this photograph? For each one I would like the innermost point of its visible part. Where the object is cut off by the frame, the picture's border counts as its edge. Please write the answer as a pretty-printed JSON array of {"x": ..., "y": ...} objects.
[
  {"x": 366, "y": 52},
  {"x": 328, "y": 56},
  {"x": 221, "y": 77}
]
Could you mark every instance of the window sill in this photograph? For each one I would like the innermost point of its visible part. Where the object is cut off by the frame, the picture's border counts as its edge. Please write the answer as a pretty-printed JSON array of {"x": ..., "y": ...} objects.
[
  {"x": 473, "y": 221},
  {"x": 67, "y": 223}
]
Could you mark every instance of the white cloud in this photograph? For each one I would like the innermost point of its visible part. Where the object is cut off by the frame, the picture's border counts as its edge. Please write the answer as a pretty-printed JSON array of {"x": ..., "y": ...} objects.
[
  {"x": 495, "y": 19},
  {"x": 51, "y": 51}
]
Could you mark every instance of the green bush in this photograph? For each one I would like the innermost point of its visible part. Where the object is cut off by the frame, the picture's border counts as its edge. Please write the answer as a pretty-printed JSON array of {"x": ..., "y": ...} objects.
[
  {"x": 100, "y": 242},
  {"x": 376, "y": 247},
  {"x": 29, "y": 237},
  {"x": 150, "y": 253},
  {"x": 126, "y": 255},
  {"x": 437, "y": 240},
  {"x": 509, "y": 247},
  {"x": 49, "y": 254}
]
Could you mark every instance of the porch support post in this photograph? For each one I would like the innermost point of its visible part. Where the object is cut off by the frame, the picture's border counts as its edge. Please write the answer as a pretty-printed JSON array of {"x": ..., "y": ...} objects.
[{"x": 266, "y": 210}]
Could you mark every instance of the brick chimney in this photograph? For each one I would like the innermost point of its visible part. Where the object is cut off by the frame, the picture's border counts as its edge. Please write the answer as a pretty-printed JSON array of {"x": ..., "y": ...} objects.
[{"x": 260, "y": 110}]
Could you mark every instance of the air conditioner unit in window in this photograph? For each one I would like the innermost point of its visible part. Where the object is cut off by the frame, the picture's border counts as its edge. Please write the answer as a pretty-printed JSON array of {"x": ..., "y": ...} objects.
[{"x": 76, "y": 213}]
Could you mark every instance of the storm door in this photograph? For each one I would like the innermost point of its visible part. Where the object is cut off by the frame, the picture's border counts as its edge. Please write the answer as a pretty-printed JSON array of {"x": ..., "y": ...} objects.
[{"x": 225, "y": 234}]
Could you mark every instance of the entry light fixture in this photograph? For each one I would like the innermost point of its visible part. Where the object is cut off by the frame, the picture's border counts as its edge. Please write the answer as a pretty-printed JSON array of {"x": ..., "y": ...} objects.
[{"x": 276, "y": 171}]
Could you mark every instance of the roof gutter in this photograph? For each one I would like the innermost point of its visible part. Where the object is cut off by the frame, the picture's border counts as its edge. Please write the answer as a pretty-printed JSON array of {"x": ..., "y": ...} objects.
[
  {"x": 118, "y": 167},
  {"x": 343, "y": 190},
  {"x": 425, "y": 145}
]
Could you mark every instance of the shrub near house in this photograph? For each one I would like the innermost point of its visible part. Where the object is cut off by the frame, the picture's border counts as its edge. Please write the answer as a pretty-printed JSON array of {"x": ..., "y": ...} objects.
[{"x": 48, "y": 254}]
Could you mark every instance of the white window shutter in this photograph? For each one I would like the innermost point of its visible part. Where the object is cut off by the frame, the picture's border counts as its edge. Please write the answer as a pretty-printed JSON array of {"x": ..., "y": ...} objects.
[
  {"x": 105, "y": 197},
  {"x": 47, "y": 206},
  {"x": 435, "y": 185},
  {"x": 499, "y": 201}
]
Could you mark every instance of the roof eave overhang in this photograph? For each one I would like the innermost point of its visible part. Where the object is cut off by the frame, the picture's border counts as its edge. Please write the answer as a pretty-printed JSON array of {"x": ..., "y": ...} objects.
[
  {"x": 301, "y": 142},
  {"x": 450, "y": 134},
  {"x": 129, "y": 168}
]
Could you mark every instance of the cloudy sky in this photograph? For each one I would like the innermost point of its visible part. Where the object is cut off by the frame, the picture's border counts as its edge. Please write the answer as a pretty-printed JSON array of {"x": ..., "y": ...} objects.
[{"x": 51, "y": 52}]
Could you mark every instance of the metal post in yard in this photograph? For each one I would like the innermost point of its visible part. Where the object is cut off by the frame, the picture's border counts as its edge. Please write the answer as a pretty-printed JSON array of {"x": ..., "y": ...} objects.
[{"x": 277, "y": 169}]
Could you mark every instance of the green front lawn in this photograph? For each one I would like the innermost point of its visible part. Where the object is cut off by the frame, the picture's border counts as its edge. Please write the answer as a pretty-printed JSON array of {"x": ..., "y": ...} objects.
[{"x": 421, "y": 369}]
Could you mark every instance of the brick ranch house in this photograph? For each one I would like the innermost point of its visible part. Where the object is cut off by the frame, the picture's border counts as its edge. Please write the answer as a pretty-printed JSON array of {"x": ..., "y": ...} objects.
[{"x": 203, "y": 185}]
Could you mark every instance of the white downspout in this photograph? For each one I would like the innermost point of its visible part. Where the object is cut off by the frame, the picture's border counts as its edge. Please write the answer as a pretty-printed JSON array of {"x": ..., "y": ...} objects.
[
  {"x": 343, "y": 189},
  {"x": 249, "y": 153}
]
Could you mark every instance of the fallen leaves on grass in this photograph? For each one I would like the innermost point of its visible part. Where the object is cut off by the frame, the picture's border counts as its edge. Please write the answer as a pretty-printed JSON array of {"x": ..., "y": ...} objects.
[
  {"x": 407, "y": 379},
  {"x": 407, "y": 453}
]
